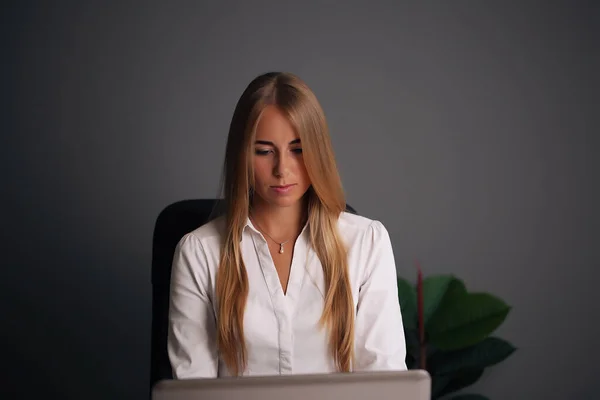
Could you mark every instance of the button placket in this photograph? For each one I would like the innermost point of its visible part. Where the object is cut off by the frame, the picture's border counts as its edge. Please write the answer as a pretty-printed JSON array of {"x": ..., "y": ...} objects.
[
  {"x": 278, "y": 301},
  {"x": 296, "y": 281}
]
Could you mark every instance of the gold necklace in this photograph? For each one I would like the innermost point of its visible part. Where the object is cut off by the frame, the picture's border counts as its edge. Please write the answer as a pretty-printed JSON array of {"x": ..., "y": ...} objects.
[{"x": 265, "y": 232}]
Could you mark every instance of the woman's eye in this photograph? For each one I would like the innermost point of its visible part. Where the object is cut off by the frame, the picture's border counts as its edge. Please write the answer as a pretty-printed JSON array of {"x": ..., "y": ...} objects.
[
  {"x": 262, "y": 152},
  {"x": 297, "y": 151}
]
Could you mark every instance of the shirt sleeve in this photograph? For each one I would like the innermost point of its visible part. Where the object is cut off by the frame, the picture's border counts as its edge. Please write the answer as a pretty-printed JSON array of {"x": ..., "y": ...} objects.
[
  {"x": 379, "y": 332},
  {"x": 191, "y": 344}
]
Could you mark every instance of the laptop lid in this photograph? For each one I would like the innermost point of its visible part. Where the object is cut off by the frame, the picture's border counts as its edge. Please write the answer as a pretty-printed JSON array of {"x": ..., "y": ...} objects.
[{"x": 405, "y": 385}]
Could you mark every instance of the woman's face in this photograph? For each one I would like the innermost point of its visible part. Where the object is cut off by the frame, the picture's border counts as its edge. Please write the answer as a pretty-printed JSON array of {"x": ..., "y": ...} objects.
[{"x": 280, "y": 176}]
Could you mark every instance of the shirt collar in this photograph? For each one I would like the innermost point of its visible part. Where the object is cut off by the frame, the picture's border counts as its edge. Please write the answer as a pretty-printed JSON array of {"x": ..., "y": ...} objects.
[{"x": 250, "y": 225}]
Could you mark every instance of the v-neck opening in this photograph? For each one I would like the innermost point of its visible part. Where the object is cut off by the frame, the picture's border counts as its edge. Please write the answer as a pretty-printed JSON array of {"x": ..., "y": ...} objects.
[{"x": 271, "y": 275}]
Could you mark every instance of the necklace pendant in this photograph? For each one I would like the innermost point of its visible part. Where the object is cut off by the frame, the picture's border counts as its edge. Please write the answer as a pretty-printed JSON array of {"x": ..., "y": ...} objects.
[{"x": 281, "y": 248}]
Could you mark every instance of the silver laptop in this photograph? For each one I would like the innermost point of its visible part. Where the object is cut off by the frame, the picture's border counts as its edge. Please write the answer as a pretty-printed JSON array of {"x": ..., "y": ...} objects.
[{"x": 405, "y": 385}]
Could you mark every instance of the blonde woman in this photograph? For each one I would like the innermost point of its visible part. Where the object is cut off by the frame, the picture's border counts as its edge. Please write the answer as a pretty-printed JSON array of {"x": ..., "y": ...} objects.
[{"x": 286, "y": 281}]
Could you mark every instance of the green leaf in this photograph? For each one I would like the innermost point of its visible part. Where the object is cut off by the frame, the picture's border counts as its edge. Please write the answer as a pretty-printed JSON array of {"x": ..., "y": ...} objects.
[
  {"x": 408, "y": 303},
  {"x": 484, "y": 354},
  {"x": 458, "y": 381},
  {"x": 464, "y": 320},
  {"x": 470, "y": 397},
  {"x": 434, "y": 291},
  {"x": 455, "y": 289}
]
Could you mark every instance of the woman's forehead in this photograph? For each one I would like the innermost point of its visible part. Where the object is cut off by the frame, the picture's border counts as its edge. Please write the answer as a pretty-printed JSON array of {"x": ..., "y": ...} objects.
[{"x": 275, "y": 127}]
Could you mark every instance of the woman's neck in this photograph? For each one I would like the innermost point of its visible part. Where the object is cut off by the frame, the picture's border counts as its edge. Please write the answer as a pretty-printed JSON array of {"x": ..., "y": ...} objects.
[{"x": 281, "y": 223}]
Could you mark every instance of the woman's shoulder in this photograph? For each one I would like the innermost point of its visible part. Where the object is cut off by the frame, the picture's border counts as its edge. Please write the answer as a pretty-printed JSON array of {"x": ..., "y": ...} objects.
[
  {"x": 368, "y": 244},
  {"x": 354, "y": 227},
  {"x": 349, "y": 222},
  {"x": 211, "y": 229},
  {"x": 208, "y": 235}
]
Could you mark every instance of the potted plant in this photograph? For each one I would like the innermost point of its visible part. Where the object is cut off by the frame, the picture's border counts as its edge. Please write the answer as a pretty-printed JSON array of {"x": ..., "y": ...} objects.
[{"x": 448, "y": 332}]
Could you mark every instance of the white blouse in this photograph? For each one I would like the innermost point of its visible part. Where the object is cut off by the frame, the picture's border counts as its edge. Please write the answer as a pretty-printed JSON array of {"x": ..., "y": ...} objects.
[{"x": 282, "y": 331}]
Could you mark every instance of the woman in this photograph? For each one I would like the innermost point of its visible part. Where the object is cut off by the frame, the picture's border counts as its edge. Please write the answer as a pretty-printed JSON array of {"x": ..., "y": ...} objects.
[{"x": 286, "y": 282}]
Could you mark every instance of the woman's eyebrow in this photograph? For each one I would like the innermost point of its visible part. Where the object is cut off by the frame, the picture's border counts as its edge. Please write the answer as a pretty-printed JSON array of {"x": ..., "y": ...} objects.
[{"x": 267, "y": 143}]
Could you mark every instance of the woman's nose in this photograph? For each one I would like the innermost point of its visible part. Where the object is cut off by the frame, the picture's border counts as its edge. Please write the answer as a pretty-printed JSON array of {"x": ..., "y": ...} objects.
[{"x": 281, "y": 168}]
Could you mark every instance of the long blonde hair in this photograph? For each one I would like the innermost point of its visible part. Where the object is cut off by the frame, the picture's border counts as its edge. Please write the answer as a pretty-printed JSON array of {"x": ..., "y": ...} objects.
[{"x": 325, "y": 202}]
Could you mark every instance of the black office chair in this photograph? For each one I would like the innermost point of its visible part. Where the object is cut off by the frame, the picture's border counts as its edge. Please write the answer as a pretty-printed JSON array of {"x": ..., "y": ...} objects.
[{"x": 171, "y": 225}]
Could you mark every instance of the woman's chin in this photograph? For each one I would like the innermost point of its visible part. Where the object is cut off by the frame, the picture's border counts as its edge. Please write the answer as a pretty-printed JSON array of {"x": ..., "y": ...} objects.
[
  {"x": 279, "y": 200},
  {"x": 284, "y": 201}
]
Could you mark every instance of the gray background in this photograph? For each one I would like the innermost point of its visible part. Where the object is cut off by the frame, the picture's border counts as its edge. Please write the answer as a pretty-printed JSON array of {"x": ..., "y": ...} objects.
[{"x": 468, "y": 128}]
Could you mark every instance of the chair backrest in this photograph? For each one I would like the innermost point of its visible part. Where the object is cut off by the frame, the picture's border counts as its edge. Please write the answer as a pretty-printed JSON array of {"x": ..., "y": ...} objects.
[{"x": 171, "y": 225}]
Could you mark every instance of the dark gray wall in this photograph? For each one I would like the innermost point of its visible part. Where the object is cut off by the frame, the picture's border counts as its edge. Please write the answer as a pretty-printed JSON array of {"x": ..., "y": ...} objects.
[{"x": 468, "y": 128}]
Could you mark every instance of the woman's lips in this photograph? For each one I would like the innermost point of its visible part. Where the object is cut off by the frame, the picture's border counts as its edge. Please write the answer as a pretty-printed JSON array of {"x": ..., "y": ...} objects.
[{"x": 282, "y": 189}]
